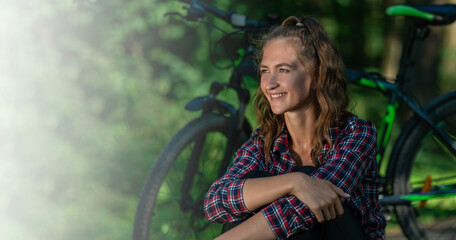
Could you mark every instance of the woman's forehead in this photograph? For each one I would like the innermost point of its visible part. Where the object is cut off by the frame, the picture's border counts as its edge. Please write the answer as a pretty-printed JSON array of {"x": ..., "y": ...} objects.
[{"x": 279, "y": 50}]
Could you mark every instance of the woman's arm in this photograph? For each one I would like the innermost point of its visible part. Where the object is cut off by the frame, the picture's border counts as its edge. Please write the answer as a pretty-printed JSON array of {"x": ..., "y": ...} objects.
[
  {"x": 321, "y": 196},
  {"x": 256, "y": 227},
  {"x": 259, "y": 192}
]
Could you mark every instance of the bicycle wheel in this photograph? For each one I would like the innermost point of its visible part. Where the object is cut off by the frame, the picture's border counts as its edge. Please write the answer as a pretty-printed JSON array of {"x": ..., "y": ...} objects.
[
  {"x": 424, "y": 160},
  {"x": 170, "y": 206}
]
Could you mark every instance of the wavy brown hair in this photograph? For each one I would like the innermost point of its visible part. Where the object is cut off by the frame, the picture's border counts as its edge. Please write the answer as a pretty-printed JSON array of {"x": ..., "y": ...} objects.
[{"x": 316, "y": 52}]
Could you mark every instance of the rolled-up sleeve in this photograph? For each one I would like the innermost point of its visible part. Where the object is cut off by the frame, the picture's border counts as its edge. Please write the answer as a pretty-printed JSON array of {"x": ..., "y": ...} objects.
[
  {"x": 287, "y": 216},
  {"x": 224, "y": 201}
]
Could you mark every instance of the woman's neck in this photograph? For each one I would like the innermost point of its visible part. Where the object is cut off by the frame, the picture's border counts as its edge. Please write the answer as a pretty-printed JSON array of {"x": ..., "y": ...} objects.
[{"x": 301, "y": 127}]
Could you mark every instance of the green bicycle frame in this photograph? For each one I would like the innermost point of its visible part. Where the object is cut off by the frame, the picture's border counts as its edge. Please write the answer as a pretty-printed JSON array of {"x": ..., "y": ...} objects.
[
  {"x": 385, "y": 134},
  {"x": 390, "y": 116}
]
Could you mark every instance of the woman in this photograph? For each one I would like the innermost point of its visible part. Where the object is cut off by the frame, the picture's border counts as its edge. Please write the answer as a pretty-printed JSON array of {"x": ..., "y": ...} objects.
[{"x": 311, "y": 161}]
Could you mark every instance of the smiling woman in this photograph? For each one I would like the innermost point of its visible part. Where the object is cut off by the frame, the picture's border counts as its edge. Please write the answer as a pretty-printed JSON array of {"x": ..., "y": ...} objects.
[
  {"x": 311, "y": 161},
  {"x": 284, "y": 79}
]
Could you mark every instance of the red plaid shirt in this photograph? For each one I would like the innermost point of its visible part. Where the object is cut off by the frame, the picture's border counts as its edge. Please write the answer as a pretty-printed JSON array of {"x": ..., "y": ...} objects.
[{"x": 350, "y": 165}]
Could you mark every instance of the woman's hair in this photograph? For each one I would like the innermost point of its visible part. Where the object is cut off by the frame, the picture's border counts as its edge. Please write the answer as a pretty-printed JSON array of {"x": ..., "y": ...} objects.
[{"x": 318, "y": 54}]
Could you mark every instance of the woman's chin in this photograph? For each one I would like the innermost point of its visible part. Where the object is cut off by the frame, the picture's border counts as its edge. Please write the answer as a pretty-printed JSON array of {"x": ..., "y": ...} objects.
[{"x": 277, "y": 111}]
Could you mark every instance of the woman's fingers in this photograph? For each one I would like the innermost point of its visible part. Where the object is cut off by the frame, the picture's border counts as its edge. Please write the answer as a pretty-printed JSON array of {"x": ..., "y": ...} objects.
[
  {"x": 327, "y": 213},
  {"x": 339, "y": 209},
  {"x": 319, "y": 215},
  {"x": 339, "y": 191},
  {"x": 332, "y": 211}
]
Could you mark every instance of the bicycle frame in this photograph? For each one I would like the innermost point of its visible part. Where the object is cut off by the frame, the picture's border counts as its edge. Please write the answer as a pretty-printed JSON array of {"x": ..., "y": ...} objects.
[
  {"x": 390, "y": 116},
  {"x": 386, "y": 129},
  {"x": 375, "y": 81}
]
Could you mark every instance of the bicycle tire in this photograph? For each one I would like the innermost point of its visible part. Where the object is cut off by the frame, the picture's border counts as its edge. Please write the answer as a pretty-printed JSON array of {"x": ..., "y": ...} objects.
[
  {"x": 157, "y": 209},
  {"x": 421, "y": 155}
]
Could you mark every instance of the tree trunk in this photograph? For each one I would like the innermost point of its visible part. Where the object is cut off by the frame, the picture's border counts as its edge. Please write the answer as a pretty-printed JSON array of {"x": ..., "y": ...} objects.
[
  {"x": 423, "y": 75},
  {"x": 447, "y": 77},
  {"x": 393, "y": 45}
]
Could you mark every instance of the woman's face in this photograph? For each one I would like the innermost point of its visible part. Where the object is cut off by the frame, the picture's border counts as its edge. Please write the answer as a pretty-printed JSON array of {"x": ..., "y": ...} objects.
[{"x": 284, "y": 80}]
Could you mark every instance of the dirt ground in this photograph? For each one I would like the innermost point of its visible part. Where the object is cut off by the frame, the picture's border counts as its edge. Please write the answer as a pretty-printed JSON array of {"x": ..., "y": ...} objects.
[{"x": 445, "y": 230}]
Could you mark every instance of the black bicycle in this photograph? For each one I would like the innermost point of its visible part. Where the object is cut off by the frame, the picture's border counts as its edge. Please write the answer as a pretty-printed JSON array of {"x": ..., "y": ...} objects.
[{"x": 420, "y": 181}]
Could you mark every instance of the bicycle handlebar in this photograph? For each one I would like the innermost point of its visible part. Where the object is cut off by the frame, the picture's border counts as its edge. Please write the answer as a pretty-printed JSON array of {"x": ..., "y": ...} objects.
[{"x": 197, "y": 11}]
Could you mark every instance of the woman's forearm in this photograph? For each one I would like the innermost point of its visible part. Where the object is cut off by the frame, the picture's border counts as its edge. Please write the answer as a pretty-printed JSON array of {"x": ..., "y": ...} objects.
[
  {"x": 256, "y": 227},
  {"x": 321, "y": 196},
  {"x": 258, "y": 192}
]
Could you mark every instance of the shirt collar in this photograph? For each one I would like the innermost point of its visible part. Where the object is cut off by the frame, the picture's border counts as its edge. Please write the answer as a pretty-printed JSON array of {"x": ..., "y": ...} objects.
[{"x": 281, "y": 143}]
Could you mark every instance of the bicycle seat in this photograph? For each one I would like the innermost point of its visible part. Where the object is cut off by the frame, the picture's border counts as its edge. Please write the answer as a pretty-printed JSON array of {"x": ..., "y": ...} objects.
[{"x": 432, "y": 14}]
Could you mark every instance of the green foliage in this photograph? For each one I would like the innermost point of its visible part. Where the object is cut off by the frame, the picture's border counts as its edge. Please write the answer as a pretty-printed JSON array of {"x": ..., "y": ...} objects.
[
  {"x": 92, "y": 90},
  {"x": 90, "y": 98}
]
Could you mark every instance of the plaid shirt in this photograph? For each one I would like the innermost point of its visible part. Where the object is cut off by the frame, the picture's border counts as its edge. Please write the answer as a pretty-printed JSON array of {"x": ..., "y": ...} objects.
[{"x": 350, "y": 165}]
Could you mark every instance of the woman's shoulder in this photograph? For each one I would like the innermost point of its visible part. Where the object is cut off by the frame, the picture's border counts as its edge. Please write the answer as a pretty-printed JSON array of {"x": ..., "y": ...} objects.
[
  {"x": 256, "y": 134},
  {"x": 354, "y": 123},
  {"x": 253, "y": 147},
  {"x": 255, "y": 141}
]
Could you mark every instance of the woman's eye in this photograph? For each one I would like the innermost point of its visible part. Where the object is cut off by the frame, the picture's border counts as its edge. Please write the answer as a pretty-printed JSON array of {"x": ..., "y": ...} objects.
[
  {"x": 264, "y": 71},
  {"x": 283, "y": 70}
]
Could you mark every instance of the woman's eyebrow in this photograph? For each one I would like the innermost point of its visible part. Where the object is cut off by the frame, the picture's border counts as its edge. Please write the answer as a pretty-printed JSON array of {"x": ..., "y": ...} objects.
[
  {"x": 285, "y": 65},
  {"x": 279, "y": 65}
]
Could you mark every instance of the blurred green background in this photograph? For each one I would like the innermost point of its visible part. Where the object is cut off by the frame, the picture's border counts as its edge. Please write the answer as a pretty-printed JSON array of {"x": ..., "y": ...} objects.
[{"x": 91, "y": 91}]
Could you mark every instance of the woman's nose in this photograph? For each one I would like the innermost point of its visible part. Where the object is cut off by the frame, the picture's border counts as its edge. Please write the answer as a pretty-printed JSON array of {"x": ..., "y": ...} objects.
[{"x": 272, "y": 81}]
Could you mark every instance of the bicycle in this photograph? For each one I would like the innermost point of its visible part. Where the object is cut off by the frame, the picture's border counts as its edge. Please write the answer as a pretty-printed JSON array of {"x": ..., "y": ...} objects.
[
  {"x": 180, "y": 177},
  {"x": 219, "y": 131}
]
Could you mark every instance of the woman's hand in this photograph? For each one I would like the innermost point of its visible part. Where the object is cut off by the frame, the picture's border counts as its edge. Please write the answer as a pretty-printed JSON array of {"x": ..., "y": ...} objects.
[{"x": 321, "y": 196}]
